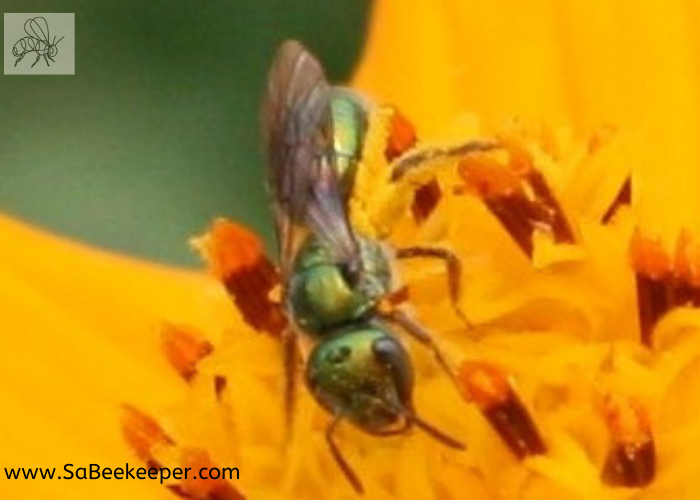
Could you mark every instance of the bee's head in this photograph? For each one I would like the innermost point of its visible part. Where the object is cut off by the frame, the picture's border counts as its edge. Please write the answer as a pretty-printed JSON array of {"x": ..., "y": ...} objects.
[
  {"x": 363, "y": 373},
  {"x": 52, "y": 49}
]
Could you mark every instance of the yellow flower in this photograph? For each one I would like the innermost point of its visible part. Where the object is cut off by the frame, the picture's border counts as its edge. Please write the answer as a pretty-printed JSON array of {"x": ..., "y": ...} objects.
[{"x": 580, "y": 275}]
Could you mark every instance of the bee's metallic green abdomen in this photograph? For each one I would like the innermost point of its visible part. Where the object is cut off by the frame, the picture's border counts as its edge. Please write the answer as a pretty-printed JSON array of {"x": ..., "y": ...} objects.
[
  {"x": 349, "y": 126},
  {"x": 320, "y": 295},
  {"x": 362, "y": 373}
]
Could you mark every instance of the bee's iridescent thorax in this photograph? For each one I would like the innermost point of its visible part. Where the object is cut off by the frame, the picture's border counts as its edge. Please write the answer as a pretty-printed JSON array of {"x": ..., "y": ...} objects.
[
  {"x": 322, "y": 295},
  {"x": 363, "y": 373},
  {"x": 349, "y": 122}
]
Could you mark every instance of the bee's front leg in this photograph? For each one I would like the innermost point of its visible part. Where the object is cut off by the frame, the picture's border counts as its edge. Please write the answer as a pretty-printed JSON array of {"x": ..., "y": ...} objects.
[
  {"x": 408, "y": 324},
  {"x": 343, "y": 464}
]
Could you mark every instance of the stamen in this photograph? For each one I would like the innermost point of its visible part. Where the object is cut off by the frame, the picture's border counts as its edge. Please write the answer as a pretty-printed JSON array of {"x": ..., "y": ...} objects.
[
  {"x": 402, "y": 136},
  {"x": 518, "y": 195},
  {"x": 143, "y": 434},
  {"x": 631, "y": 460},
  {"x": 601, "y": 137},
  {"x": 184, "y": 347},
  {"x": 236, "y": 257},
  {"x": 489, "y": 388},
  {"x": 664, "y": 281},
  {"x": 200, "y": 488},
  {"x": 394, "y": 299},
  {"x": 623, "y": 198},
  {"x": 425, "y": 201},
  {"x": 220, "y": 384}
]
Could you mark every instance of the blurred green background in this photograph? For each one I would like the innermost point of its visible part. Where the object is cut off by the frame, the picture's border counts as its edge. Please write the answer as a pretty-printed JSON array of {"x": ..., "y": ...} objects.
[{"x": 157, "y": 132}]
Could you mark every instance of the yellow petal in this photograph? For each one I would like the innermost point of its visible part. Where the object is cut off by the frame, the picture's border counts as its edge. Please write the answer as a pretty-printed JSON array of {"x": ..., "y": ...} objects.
[
  {"x": 548, "y": 282},
  {"x": 81, "y": 334}
]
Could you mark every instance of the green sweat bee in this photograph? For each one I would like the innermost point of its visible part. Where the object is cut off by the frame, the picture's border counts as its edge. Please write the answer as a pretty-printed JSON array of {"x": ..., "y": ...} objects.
[{"x": 333, "y": 279}]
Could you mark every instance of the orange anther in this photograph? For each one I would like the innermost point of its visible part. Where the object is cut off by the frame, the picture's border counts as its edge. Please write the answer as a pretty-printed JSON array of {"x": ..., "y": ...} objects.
[{"x": 184, "y": 347}]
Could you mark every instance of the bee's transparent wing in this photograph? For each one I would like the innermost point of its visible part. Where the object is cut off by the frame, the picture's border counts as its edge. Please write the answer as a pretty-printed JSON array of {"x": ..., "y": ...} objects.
[
  {"x": 37, "y": 28},
  {"x": 326, "y": 214},
  {"x": 297, "y": 132}
]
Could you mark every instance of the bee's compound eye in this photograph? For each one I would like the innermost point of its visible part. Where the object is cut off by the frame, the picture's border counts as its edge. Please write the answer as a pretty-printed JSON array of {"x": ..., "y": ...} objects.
[
  {"x": 390, "y": 353},
  {"x": 386, "y": 349},
  {"x": 339, "y": 355}
]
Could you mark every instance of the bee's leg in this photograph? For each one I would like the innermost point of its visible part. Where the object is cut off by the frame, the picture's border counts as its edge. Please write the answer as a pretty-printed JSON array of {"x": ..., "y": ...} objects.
[
  {"x": 339, "y": 459},
  {"x": 454, "y": 271},
  {"x": 47, "y": 61},
  {"x": 37, "y": 60},
  {"x": 290, "y": 346},
  {"x": 21, "y": 56},
  {"x": 403, "y": 320},
  {"x": 422, "y": 157}
]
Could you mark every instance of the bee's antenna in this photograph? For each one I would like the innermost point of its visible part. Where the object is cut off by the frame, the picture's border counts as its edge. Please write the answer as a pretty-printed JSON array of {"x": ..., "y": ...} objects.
[
  {"x": 410, "y": 415},
  {"x": 433, "y": 431},
  {"x": 56, "y": 43}
]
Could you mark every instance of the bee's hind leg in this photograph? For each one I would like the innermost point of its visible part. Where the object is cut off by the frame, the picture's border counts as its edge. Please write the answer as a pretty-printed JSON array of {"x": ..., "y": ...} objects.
[
  {"x": 21, "y": 56},
  {"x": 453, "y": 267}
]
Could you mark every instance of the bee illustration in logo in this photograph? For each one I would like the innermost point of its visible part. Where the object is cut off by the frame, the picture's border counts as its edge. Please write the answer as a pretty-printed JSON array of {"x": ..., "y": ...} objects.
[{"x": 37, "y": 40}]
